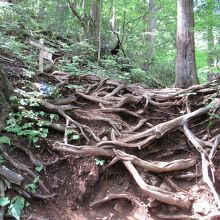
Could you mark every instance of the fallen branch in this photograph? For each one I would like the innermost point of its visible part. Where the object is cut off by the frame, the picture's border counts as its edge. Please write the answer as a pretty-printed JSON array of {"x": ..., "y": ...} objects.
[{"x": 11, "y": 176}]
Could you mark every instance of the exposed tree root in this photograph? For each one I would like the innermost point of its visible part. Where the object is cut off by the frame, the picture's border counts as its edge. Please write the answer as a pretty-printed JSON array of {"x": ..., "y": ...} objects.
[
  {"x": 178, "y": 199},
  {"x": 68, "y": 148},
  {"x": 21, "y": 167},
  {"x": 110, "y": 197},
  {"x": 211, "y": 216},
  {"x": 140, "y": 210},
  {"x": 180, "y": 217},
  {"x": 135, "y": 125},
  {"x": 156, "y": 166},
  {"x": 61, "y": 112},
  {"x": 135, "y": 101},
  {"x": 2, "y": 195},
  {"x": 35, "y": 161}
]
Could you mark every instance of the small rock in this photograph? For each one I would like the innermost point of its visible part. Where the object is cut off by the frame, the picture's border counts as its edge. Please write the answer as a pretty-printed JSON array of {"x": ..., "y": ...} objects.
[
  {"x": 205, "y": 137},
  {"x": 201, "y": 206},
  {"x": 104, "y": 138}
]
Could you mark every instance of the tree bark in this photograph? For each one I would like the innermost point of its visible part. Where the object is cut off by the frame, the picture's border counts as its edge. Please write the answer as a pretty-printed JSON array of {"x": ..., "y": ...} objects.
[
  {"x": 210, "y": 35},
  {"x": 94, "y": 26},
  {"x": 5, "y": 93},
  {"x": 150, "y": 36},
  {"x": 90, "y": 23},
  {"x": 185, "y": 43},
  {"x": 211, "y": 45}
]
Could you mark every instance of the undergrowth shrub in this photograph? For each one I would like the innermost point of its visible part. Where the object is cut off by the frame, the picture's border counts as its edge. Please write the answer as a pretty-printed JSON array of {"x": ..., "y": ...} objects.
[
  {"x": 27, "y": 121},
  {"x": 163, "y": 73},
  {"x": 137, "y": 75}
]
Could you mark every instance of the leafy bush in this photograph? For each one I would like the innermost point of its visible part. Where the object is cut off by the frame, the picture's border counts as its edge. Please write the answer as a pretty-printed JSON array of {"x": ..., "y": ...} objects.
[
  {"x": 27, "y": 122},
  {"x": 15, "y": 206},
  {"x": 137, "y": 75},
  {"x": 33, "y": 186},
  {"x": 5, "y": 140},
  {"x": 161, "y": 73},
  {"x": 18, "y": 124}
]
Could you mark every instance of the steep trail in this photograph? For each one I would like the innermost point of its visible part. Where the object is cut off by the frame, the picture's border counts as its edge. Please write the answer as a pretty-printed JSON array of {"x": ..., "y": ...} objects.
[{"x": 114, "y": 150}]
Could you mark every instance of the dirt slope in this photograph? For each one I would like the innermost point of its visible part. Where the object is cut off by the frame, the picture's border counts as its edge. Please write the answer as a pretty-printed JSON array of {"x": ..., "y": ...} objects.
[{"x": 138, "y": 153}]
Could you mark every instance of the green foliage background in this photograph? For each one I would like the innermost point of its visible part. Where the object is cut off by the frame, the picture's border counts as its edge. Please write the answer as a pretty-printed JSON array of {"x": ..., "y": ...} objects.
[{"x": 53, "y": 21}]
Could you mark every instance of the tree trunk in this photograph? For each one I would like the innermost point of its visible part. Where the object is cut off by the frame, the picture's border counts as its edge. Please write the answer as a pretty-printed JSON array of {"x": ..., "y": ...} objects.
[
  {"x": 94, "y": 25},
  {"x": 61, "y": 13},
  {"x": 185, "y": 60},
  {"x": 151, "y": 25},
  {"x": 210, "y": 35},
  {"x": 211, "y": 45},
  {"x": 5, "y": 93},
  {"x": 90, "y": 23}
]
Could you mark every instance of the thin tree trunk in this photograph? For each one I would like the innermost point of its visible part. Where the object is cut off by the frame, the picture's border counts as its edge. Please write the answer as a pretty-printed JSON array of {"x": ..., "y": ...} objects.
[
  {"x": 94, "y": 27},
  {"x": 99, "y": 31},
  {"x": 185, "y": 43},
  {"x": 210, "y": 35},
  {"x": 151, "y": 25},
  {"x": 82, "y": 22},
  {"x": 211, "y": 44},
  {"x": 6, "y": 91}
]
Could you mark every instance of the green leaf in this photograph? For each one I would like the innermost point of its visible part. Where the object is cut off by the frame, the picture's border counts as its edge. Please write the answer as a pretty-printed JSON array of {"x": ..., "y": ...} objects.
[
  {"x": 75, "y": 137},
  {"x": 39, "y": 168},
  {"x": 54, "y": 117},
  {"x": 16, "y": 207},
  {"x": 4, "y": 201},
  {"x": 35, "y": 139},
  {"x": 69, "y": 131},
  {"x": 5, "y": 140},
  {"x": 99, "y": 162},
  {"x": 2, "y": 160},
  {"x": 33, "y": 186},
  {"x": 36, "y": 179},
  {"x": 44, "y": 135},
  {"x": 13, "y": 98},
  {"x": 42, "y": 123}
]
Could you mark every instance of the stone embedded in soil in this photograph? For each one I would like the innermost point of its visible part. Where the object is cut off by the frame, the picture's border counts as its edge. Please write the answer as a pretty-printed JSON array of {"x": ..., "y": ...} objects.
[
  {"x": 201, "y": 206},
  {"x": 104, "y": 138}
]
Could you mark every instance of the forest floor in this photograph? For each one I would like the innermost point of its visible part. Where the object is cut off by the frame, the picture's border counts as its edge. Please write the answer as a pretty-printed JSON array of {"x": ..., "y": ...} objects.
[{"x": 121, "y": 151}]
